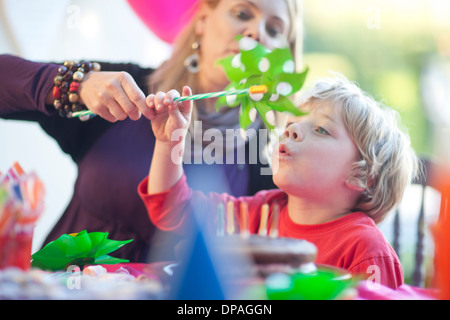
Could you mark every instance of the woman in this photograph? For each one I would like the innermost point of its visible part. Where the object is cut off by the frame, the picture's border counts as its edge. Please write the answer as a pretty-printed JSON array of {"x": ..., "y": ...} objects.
[{"x": 112, "y": 156}]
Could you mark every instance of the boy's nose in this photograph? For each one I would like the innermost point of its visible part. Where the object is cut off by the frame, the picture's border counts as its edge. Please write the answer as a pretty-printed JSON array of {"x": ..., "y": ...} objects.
[{"x": 293, "y": 132}]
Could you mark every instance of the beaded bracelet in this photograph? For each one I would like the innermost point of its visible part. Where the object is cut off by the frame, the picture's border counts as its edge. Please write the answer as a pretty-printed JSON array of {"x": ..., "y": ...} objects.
[{"x": 66, "y": 84}]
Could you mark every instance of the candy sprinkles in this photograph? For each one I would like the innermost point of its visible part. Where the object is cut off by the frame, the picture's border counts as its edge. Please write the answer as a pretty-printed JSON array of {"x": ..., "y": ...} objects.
[{"x": 261, "y": 80}]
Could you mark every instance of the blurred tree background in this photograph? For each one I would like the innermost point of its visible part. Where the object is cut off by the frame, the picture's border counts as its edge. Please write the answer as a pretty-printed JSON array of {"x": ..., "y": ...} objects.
[
  {"x": 383, "y": 46},
  {"x": 387, "y": 46}
]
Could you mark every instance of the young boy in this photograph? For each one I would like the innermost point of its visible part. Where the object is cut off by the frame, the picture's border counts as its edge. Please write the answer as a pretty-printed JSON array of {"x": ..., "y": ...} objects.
[{"x": 340, "y": 169}]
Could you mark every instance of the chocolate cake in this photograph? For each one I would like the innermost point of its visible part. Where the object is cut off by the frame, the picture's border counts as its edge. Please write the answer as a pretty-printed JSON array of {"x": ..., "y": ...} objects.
[{"x": 270, "y": 255}]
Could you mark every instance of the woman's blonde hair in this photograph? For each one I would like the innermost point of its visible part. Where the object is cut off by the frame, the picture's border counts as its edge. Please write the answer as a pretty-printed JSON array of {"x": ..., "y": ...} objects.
[
  {"x": 173, "y": 75},
  {"x": 387, "y": 161}
]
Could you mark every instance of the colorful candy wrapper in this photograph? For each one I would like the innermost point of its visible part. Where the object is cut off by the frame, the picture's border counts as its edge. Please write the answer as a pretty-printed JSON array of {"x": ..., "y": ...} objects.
[{"x": 21, "y": 205}]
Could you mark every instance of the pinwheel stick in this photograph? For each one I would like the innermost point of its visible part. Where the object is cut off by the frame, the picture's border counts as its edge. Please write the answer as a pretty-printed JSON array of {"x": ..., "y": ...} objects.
[{"x": 251, "y": 90}]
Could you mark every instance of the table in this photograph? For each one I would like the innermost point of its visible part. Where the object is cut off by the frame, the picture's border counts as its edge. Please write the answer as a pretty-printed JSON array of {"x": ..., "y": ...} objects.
[{"x": 140, "y": 281}]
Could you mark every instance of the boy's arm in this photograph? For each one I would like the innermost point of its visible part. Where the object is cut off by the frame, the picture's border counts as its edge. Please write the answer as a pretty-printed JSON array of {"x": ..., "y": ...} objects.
[
  {"x": 170, "y": 121},
  {"x": 164, "y": 172}
]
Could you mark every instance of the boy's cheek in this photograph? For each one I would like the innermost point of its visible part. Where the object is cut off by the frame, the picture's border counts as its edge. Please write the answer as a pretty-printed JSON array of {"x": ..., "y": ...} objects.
[{"x": 275, "y": 162}]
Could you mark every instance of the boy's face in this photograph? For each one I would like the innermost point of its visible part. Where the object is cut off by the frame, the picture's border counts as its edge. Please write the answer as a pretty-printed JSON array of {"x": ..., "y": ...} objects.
[{"x": 315, "y": 155}]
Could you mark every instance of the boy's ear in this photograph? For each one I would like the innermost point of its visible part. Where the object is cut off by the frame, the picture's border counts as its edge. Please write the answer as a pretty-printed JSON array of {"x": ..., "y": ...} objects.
[{"x": 353, "y": 184}]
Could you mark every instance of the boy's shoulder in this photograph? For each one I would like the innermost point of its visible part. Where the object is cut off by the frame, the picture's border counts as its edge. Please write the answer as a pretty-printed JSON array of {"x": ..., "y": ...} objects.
[{"x": 367, "y": 236}]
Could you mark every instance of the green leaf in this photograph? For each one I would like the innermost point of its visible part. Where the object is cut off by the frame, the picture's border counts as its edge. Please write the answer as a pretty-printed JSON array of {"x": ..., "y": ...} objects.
[
  {"x": 284, "y": 104},
  {"x": 256, "y": 65},
  {"x": 244, "y": 118},
  {"x": 234, "y": 74},
  {"x": 262, "y": 109},
  {"x": 80, "y": 245},
  {"x": 281, "y": 60},
  {"x": 81, "y": 249},
  {"x": 224, "y": 100},
  {"x": 109, "y": 246},
  {"x": 295, "y": 80},
  {"x": 252, "y": 60},
  {"x": 105, "y": 259},
  {"x": 97, "y": 241}
]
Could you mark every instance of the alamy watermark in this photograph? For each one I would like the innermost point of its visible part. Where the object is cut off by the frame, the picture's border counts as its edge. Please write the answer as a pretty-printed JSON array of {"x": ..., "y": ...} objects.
[
  {"x": 213, "y": 146},
  {"x": 73, "y": 20},
  {"x": 374, "y": 280},
  {"x": 74, "y": 280},
  {"x": 373, "y": 21}
]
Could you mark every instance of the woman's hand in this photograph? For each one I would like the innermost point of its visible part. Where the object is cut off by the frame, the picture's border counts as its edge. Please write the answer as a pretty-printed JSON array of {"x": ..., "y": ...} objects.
[
  {"x": 167, "y": 115},
  {"x": 112, "y": 95}
]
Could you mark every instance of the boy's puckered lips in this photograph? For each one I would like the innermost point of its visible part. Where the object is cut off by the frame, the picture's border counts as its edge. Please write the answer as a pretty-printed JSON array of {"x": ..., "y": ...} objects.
[{"x": 283, "y": 150}]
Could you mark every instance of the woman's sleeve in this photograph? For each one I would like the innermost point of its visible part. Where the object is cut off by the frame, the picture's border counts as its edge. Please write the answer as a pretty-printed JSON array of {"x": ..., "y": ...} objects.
[{"x": 24, "y": 85}]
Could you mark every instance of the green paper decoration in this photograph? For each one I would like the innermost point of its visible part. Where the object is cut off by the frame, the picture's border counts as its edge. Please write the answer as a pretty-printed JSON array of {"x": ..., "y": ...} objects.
[
  {"x": 81, "y": 249},
  {"x": 321, "y": 284},
  {"x": 257, "y": 65}
]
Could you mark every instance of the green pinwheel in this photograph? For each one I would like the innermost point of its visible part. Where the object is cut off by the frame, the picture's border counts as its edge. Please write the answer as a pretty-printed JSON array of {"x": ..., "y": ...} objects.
[
  {"x": 257, "y": 65},
  {"x": 79, "y": 249}
]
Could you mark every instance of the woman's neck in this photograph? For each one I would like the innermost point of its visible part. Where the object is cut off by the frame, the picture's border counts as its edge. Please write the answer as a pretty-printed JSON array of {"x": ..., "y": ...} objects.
[{"x": 211, "y": 82}]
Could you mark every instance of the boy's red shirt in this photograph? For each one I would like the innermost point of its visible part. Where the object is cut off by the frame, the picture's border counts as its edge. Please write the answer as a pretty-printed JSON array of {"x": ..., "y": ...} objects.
[{"x": 353, "y": 242}]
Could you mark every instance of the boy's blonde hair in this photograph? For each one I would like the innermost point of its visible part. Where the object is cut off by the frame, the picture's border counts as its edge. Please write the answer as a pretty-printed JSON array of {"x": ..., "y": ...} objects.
[{"x": 387, "y": 161}]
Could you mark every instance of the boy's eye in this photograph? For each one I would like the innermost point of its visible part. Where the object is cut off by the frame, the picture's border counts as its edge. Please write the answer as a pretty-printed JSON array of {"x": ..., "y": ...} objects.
[{"x": 321, "y": 131}]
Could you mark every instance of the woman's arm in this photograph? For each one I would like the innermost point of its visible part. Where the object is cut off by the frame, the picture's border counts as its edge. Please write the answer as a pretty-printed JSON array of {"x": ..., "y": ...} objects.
[
  {"x": 26, "y": 94},
  {"x": 113, "y": 95},
  {"x": 25, "y": 85}
]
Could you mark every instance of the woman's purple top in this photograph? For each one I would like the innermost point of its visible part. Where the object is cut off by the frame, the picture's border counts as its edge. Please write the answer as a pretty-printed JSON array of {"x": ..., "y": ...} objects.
[{"x": 112, "y": 158}]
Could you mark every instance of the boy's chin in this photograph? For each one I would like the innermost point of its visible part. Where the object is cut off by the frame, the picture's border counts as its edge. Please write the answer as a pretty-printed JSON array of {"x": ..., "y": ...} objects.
[{"x": 277, "y": 180}]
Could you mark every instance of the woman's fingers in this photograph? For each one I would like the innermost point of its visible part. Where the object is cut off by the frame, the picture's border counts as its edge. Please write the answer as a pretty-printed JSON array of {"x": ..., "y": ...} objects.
[
  {"x": 115, "y": 96},
  {"x": 105, "y": 114},
  {"x": 110, "y": 111},
  {"x": 117, "y": 92},
  {"x": 133, "y": 101}
]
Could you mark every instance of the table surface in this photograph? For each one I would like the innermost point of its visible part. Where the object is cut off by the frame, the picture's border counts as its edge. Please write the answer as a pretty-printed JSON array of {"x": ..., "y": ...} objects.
[{"x": 148, "y": 281}]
